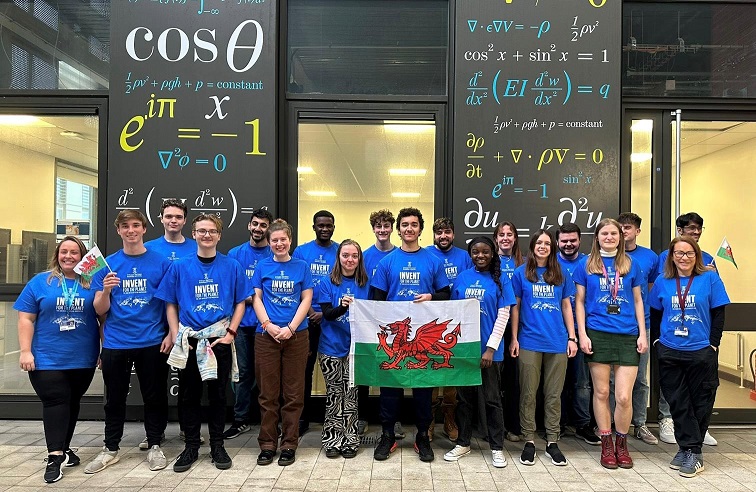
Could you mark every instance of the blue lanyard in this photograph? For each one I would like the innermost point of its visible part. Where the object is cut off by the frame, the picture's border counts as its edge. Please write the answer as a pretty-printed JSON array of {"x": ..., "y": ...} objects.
[{"x": 69, "y": 294}]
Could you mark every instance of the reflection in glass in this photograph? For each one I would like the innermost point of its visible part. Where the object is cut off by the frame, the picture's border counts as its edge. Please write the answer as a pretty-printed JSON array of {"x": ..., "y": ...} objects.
[{"x": 640, "y": 174}]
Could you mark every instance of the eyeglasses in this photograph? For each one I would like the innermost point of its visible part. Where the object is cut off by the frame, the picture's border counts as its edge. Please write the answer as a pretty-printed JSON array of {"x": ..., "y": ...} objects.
[
  {"x": 684, "y": 254},
  {"x": 205, "y": 232},
  {"x": 693, "y": 228}
]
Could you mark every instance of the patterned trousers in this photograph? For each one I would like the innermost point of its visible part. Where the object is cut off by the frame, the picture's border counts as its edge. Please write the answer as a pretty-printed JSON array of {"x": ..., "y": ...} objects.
[{"x": 340, "y": 426}]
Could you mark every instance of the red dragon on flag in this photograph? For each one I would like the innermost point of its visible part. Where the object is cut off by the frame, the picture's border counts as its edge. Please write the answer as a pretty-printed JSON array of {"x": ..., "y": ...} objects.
[{"x": 429, "y": 339}]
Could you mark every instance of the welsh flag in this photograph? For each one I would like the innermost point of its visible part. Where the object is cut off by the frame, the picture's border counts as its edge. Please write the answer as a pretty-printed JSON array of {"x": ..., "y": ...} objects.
[
  {"x": 415, "y": 345},
  {"x": 92, "y": 263},
  {"x": 725, "y": 252}
]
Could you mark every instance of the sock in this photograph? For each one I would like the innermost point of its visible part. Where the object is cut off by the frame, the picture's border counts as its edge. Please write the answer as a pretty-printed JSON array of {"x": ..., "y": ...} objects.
[{"x": 605, "y": 432}]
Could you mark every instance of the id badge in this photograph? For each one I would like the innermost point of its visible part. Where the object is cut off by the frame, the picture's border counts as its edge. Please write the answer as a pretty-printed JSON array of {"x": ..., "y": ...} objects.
[
  {"x": 68, "y": 325},
  {"x": 613, "y": 309},
  {"x": 681, "y": 331}
]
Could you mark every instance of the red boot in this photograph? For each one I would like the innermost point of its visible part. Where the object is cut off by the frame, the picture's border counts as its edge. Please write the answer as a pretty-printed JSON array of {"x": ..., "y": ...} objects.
[
  {"x": 623, "y": 455},
  {"x": 608, "y": 458}
]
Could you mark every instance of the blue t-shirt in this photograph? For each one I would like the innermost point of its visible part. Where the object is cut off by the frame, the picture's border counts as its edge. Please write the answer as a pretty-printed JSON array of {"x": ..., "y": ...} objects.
[
  {"x": 335, "y": 337},
  {"x": 598, "y": 296},
  {"x": 248, "y": 257},
  {"x": 706, "y": 293},
  {"x": 455, "y": 260},
  {"x": 508, "y": 266},
  {"x": 647, "y": 261},
  {"x": 136, "y": 318},
  {"x": 282, "y": 284},
  {"x": 403, "y": 275},
  {"x": 472, "y": 284},
  {"x": 568, "y": 267},
  {"x": 53, "y": 348},
  {"x": 542, "y": 326},
  {"x": 205, "y": 292},
  {"x": 172, "y": 251},
  {"x": 321, "y": 260},
  {"x": 372, "y": 256},
  {"x": 706, "y": 257}
]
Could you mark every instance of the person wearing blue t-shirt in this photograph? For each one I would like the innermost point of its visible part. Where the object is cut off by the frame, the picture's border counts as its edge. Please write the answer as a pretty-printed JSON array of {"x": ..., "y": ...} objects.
[
  {"x": 59, "y": 341},
  {"x": 493, "y": 290},
  {"x": 612, "y": 331},
  {"x": 456, "y": 260},
  {"x": 320, "y": 255},
  {"x": 172, "y": 244},
  {"x": 543, "y": 338},
  {"x": 248, "y": 254},
  {"x": 135, "y": 334},
  {"x": 283, "y": 294},
  {"x": 348, "y": 281},
  {"x": 410, "y": 273},
  {"x": 687, "y": 319}
]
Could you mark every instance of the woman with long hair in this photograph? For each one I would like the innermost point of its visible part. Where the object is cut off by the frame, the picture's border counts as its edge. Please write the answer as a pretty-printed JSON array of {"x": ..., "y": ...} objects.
[
  {"x": 348, "y": 281},
  {"x": 543, "y": 338},
  {"x": 283, "y": 294},
  {"x": 59, "y": 337},
  {"x": 612, "y": 333},
  {"x": 486, "y": 283},
  {"x": 687, "y": 319}
]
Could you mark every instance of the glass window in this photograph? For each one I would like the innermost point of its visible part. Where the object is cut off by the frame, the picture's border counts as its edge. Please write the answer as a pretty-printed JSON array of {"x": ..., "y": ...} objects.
[
  {"x": 640, "y": 160},
  {"x": 364, "y": 47}
]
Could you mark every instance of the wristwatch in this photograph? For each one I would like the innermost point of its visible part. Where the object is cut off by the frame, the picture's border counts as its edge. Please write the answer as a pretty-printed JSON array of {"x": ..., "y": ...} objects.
[{"x": 572, "y": 340}]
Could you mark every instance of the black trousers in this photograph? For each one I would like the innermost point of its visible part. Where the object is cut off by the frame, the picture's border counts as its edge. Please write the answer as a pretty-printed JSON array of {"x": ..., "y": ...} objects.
[
  {"x": 510, "y": 387},
  {"x": 391, "y": 406},
  {"x": 152, "y": 371},
  {"x": 60, "y": 392},
  {"x": 312, "y": 357},
  {"x": 689, "y": 381},
  {"x": 191, "y": 396}
]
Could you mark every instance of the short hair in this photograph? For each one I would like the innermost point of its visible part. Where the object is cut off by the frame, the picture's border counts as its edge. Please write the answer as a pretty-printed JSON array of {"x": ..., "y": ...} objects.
[
  {"x": 174, "y": 202},
  {"x": 280, "y": 225},
  {"x": 262, "y": 213},
  {"x": 383, "y": 215},
  {"x": 211, "y": 217},
  {"x": 442, "y": 223},
  {"x": 630, "y": 218},
  {"x": 568, "y": 228},
  {"x": 323, "y": 213},
  {"x": 409, "y": 212},
  {"x": 130, "y": 214},
  {"x": 686, "y": 219}
]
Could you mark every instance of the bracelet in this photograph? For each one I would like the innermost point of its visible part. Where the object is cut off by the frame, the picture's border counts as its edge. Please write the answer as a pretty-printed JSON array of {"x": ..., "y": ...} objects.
[
  {"x": 232, "y": 332},
  {"x": 572, "y": 340},
  {"x": 289, "y": 327},
  {"x": 265, "y": 324}
]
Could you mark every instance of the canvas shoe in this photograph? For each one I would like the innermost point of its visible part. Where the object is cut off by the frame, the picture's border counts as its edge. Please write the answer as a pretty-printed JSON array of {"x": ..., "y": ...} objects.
[
  {"x": 645, "y": 435},
  {"x": 667, "y": 431},
  {"x": 102, "y": 461},
  {"x": 497, "y": 458},
  {"x": 185, "y": 460},
  {"x": 456, "y": 453}
]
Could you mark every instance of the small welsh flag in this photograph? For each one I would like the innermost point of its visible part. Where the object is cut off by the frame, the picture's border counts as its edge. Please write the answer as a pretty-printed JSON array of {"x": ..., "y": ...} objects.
[
  {"x": 92, "y": 263},
  {"x": 725, "y": 252}
]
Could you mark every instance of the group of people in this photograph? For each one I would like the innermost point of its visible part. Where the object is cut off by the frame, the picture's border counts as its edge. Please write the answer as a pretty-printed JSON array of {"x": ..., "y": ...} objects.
[{"x": 577, "y": 327}]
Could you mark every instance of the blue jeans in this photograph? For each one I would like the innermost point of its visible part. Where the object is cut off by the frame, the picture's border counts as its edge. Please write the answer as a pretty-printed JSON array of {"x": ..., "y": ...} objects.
[
  {"x": 246, "y": 389},
  {"x": 581, "y": 398}
]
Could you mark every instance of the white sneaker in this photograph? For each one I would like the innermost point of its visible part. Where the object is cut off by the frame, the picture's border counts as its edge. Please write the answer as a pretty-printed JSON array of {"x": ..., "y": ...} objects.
[
  {"x": 456, "y": 453},
  {"x": 498, "y": 459},
  {"x": 667, "y": 431},
  {"x": 156, "y": 458},
  {"x": 709, "y": 439},
  {"x": 102, "y": 461}
]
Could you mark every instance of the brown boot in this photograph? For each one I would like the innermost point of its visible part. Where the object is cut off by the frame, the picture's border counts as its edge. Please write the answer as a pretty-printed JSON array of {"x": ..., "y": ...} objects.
[
  {"x": 431, "y": 430},
  {"x": 608, "y": 458},
  {"x": 623, "y": 455},
  {"x": 450, "y": 425}
]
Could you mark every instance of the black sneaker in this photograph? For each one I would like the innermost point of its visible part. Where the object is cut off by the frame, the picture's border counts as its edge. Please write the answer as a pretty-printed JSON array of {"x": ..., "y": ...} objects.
[
  {"x": 304, "y": 426},
  {"x": 236, "y": 429},
  {"x": 73, "y": 460},
  {"x": 185, "y": 460},
  {"x": 423, "y": 447},
  {"x": 266, "y": 457},
  {"x": 220, "y": 457},
  {"x": 587, "y": 434},
  {"x": 52, "y": 470},
  {"x": 553, "y": 452},
  {"x": 333, "y": 453},
  {"x": 349, "y": 452},
  {"x": 386, "y": 446},
  {"x": 528, "y": 454},
  {"x": 287, "y": 457}
]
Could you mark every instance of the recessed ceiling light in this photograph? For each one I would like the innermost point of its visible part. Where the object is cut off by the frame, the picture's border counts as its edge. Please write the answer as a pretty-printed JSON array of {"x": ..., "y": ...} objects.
[
  {"x": 321, "y": 193},
  {"x": 402, "y": 194},
  {"x": 640, "y": 156},
  {"x": 305, "y": 170},
  {"x": 407, "y": 172},
  {"x": 642, "y": 126}
]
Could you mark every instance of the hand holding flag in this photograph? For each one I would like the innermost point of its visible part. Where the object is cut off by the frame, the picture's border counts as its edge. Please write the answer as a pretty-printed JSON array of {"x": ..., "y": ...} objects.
[
  {"x": 92, "y": 263},
  {"x": 725, "y": 252}
]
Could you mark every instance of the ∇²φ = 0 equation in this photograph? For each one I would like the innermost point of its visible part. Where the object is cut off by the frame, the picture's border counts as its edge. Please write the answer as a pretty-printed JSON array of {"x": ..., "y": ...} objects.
[
  {"x": 558, "y": 156},
  {"x": 549, "y": 89},
  {"x": 166, "y": 157}
]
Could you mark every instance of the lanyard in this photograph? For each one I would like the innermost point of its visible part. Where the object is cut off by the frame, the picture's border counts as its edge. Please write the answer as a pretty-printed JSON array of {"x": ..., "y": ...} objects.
[
  {"x": 69, "y": 295},
  {"x": 681, "y": 298},
  {"x": 614, "y": 288}
]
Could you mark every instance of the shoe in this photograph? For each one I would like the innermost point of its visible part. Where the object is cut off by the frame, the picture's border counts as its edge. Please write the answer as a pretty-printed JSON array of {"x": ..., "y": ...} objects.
[
  {"x": 72, "y": 460},
  {"x": 512, "y": 437},
  {"x": 678, "y": 460},
  {"x": 709, "y": 439},
  {"x": 497, "y": 458},
  {"x": 667, "y": 431},
  {"x": 266, "y": 457},
  {"x": 623, "y": 455},
  {"x": 362, "y": 427},
  {"x": 450, "y": 426},
  {"x": 54, "y": 464},
  {"x": 145, "y": 445},
  {"x": 349, "y": 452},
  {"x": 553, "y": 452},
  {"x": 102, "y": 461},
  {"x": 185, "y": 460},
  {"x": 456, "y": 453},
  {"x": 587, "y": 434},
  {"x": 692, "y": 465},
  {"x": 182, "y": 436},
  {"x": 386, "y": 446},
  {"x": 528, "y": 454},
  {"x": 645, "y": 435},
  {"x": 287, "y": 457},
  {"x": 220, "y": 457},
  {"x": 304, "y": 426},
  {"x": 236, "y": 429},
  {"x": 568, "y": 431},
  {"x": 608, "y": 458},
  {"x": 431, "y": 431},
  {"x": 423, "y": 448},
  {"x": 399, "y": 431},
  {"x": 333, "y": 453},
  {"x": 156, "y": 458}
]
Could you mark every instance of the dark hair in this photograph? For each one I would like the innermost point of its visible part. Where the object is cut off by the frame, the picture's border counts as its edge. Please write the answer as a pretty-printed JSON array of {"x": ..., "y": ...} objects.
[
  {"x": 323, "y": 213},
  {"x": 409, "y": 212},
  {"x": 383, "y": 215},
  {"x": 174, "y": 202},
  {"x": 553, "y": 274},
  {"x": 686, "y": 219},
  {"x": 670, "y": 269},
  {"x": 568, "y": 228},
  {"x": 360, "y": 274},
  {"x": 130, "y": 214},
  {"x": 516, "y": 253},
  {"x": 495, "y": 266},
  {"x": 212, "y": 218},
  {"x": 443, "y": 223},
  {"x": 261, "y": 213},
  {"x": 630, "y": 218}
]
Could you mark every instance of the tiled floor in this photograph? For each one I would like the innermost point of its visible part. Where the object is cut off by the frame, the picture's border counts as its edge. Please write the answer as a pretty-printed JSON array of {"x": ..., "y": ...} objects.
[{"x": 730, "y": 466}]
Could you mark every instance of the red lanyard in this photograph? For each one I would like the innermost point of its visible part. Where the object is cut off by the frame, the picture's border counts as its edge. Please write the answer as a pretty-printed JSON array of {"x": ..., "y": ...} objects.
[
  {"x": 681, "y": 298},
  {"x": 614, "y": 288}
]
